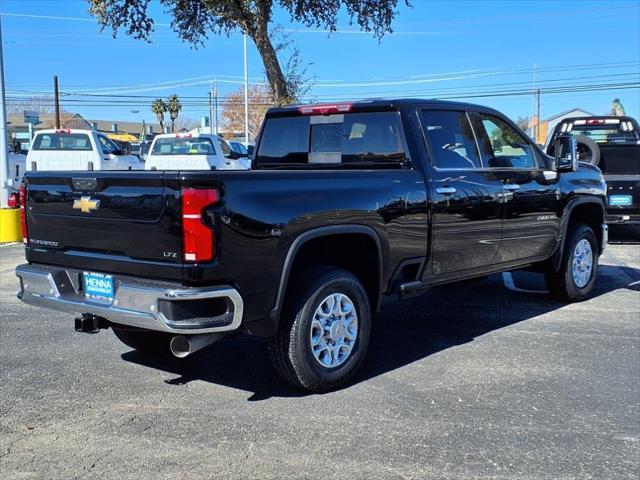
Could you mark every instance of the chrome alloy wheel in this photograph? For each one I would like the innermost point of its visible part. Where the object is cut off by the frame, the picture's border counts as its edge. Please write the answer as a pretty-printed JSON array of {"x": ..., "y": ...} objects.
[
  {"x": 334, "y": 329},
  {"x": 582, "y": 264}
]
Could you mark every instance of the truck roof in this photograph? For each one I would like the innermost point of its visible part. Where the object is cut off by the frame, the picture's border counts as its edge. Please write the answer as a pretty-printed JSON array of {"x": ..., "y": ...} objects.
[
  {"x": 188, "y": 135},
  {"x": 68, "y": 130},
  {"x": 373, "y": 104}
]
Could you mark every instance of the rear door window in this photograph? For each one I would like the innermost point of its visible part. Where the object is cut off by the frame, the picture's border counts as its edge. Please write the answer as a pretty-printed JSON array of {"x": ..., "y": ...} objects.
[
  {"x": 356, "y": 138},
  {"x": 450, "y": 138},
  {"x": 62, "y": 141}
]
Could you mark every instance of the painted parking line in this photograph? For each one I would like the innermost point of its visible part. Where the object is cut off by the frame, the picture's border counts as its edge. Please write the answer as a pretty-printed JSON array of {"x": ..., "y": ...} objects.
[{"x": 507, "y": 278}]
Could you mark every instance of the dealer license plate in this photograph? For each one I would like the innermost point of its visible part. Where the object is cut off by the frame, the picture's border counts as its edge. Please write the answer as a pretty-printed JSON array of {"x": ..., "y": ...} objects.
[
  {"x": 620, "y": 200},
  {"x": 98, "y": 286}
]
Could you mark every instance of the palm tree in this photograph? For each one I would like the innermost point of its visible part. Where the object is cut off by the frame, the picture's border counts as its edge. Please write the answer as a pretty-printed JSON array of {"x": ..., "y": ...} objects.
[
  {"x": 174, "y": 106},
  {"x": 159, "y": 108}
]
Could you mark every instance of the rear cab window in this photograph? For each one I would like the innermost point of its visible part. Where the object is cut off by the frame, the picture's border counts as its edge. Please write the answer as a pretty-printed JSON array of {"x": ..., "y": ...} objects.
[
  {"x": 183, "y": 146},
  {"x": 351, "y": 139},
  {"x": 62, "y": 141}
]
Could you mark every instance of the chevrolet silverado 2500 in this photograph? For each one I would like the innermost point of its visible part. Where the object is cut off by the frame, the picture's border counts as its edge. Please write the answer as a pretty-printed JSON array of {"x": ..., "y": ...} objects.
[{"x": 345, "y": 203}]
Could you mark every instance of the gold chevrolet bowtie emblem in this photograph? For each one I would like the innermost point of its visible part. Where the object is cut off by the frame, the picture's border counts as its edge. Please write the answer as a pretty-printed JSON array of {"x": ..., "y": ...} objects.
[{"x": 85, "y": 204}]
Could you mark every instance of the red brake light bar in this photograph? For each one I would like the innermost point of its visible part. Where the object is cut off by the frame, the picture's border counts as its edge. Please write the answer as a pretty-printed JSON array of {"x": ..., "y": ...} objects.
[
  {"x": 63, "y": 130},
  {"x": 594, "y": 122},
  {"x": 198, "y": 238},
  {"x": 325, "y": 109}
]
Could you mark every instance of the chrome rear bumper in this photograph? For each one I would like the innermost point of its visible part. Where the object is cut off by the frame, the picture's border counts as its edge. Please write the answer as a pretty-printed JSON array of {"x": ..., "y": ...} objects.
[{"x": 137, "y": 302}]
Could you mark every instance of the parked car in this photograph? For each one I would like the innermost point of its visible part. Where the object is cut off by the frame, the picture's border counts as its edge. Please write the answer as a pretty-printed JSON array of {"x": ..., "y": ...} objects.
[
  {"x": 613, "y": 144},
  {"x": 346, "y": 203},
  {"x": 198, "y": 151},
  {"x": 73, "y": 149}
]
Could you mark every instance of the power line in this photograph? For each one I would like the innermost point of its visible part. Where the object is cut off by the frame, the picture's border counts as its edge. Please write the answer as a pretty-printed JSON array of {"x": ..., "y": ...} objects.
[
  {"x": 480, "y": 94},
  {"x": 458, "y": 89}
]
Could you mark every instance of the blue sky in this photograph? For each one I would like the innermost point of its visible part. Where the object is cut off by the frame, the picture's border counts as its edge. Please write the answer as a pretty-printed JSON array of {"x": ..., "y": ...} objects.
[{"x": 440, "y": 49}]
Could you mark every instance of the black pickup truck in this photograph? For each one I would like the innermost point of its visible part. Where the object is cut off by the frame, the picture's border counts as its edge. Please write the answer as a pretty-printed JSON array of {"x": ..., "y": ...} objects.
[
  {"x": 613, "y": 144},
  {"x": 345, "y": 203}
]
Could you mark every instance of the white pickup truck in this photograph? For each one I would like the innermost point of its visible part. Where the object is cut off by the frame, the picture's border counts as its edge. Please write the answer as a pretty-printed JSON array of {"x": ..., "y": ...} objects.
[
  {"x": 197, "y": 151},
  {"x": 72, "y": 149}
]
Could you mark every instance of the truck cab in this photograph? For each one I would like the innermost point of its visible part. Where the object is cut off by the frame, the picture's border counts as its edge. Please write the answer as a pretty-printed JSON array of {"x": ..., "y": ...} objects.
[
  {"x": 197, "y": 151},
  {"x": 75, "y": 149}
]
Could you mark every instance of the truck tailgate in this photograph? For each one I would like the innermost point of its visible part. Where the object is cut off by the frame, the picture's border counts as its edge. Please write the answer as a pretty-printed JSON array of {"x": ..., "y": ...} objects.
[{"x": 126, "y": 222}]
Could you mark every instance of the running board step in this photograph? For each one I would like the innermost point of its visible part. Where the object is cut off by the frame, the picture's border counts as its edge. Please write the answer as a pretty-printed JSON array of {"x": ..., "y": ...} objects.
[{"x": 412, "y": 289}]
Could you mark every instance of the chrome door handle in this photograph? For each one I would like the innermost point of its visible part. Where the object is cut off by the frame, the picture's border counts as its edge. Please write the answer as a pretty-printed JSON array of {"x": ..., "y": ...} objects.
[
  {"x": 511, "y": 186},
  {"x": 446, "y": 190}
]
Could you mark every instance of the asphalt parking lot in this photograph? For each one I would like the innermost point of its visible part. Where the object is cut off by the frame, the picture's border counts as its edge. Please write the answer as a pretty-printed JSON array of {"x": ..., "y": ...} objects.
[{"x": 475, "y": 380}]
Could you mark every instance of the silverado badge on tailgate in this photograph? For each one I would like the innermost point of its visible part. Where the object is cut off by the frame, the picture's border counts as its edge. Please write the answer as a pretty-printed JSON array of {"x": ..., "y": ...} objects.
[{"x": 85, "y": 204}]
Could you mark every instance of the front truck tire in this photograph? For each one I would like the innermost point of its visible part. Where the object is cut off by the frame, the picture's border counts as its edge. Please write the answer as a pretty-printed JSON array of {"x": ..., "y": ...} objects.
[
  {"x": 574, "y": 280},
  {"x": 145, "y": 341},
  {"x": 324, "y": 331}
]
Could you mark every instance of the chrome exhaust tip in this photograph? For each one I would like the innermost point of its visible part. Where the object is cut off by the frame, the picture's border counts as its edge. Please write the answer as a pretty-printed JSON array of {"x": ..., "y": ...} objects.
[{"x": 182, "y": 346}]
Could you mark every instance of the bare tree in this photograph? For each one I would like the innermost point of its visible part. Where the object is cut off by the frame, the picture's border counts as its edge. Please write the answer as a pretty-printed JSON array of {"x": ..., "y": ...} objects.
[
  {"x": 260, "y": 100},
  {"x": 524, "y": 123},
  {"x": 193, "y": 20},
  {"x": 186, "y": 123},
  {"x": 40, "y": 104}
]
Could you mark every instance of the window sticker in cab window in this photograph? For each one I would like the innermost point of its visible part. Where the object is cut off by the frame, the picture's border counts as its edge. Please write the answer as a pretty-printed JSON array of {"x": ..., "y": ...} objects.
[{"x": 357, "y": 131}]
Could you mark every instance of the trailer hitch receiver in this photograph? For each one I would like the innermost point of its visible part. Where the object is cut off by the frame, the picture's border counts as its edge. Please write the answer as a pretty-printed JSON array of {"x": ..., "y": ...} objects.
[{"x": 88, "y": 323}]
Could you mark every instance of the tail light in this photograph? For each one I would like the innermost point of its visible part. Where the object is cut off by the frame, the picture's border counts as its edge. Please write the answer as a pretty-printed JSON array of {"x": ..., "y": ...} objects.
[
  {"x": 23, "y": 213},
  {"x": 198, "y": 238}
]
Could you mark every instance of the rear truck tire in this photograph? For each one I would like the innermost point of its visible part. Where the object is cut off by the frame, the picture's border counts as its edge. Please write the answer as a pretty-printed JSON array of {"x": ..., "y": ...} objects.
[
  {"x": 586, "y": 143},
  {"x": 145, "y": 341},
  {"x": 324, "y": 331},
  {"x": 578, "y": 268}
]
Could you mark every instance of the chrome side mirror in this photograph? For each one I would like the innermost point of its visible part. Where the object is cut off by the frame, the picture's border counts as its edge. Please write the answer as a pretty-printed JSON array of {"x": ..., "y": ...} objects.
[{"x": 566, "y": 153}]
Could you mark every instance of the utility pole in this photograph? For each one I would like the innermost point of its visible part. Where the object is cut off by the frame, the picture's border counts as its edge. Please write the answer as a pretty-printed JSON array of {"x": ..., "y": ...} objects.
[
  {"x": 211, "y": 109},
  {"x": 537, "y": 114},
  {"x": 4, "y": 144},
  {"x": 246, "y": 94},
  {"x": 56, "y": 100},
  {"x": 534, "y": 119},
  {"x": 215, "y": 107}
]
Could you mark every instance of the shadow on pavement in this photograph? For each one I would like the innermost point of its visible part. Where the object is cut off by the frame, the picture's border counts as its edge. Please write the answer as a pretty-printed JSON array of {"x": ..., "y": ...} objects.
[{"x": 403, "y": 333}]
